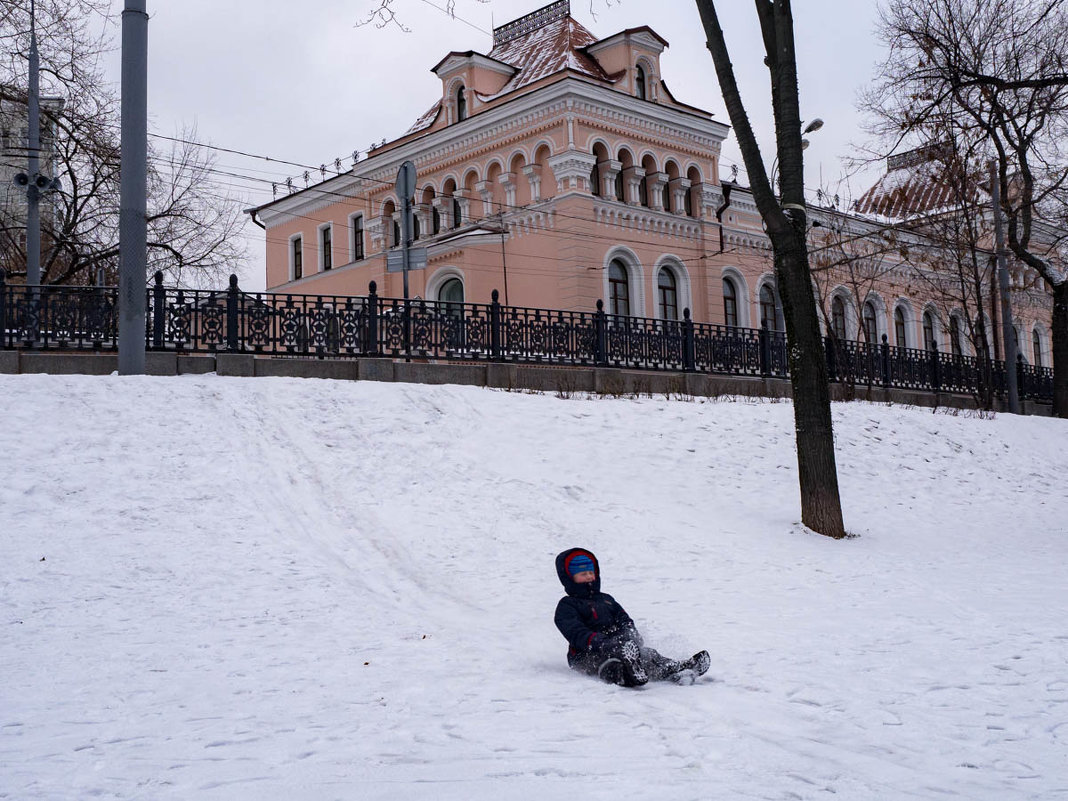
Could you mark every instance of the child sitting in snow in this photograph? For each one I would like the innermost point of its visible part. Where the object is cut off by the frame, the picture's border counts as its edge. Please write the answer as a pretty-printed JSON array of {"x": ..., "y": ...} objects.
[{"x": 602, "y": 637}]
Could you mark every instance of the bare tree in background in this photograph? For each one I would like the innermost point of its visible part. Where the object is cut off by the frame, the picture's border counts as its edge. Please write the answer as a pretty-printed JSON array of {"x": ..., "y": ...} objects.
[
  {"x": 194, "y": 225},
  {"x": 999, "y": 70},
  {"x": 845, "y": 258}
]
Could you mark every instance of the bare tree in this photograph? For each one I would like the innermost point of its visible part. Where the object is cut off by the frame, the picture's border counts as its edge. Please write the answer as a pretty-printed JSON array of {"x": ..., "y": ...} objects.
[
  {"x": 997, "y": 69},
  {"x": 786, "y": 218},
  {"x": 859, "y": 262},
  {"x": 194, "y": 225}
]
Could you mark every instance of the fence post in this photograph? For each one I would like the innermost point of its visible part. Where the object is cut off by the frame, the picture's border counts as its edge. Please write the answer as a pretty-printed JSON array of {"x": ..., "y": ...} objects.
[
  {"x": 370, "y": 346},
  {"x": 600, "y": 350},
  {"x": 689, "y": 353},
  {"x": 159, "y": 297},
  {"x": 3, "y": 308},
  {"x": 231, "y": 314},
  {"x": 1021, "y": 376},
  {"x": 765, "y": 350},
  {"x": 830, "y": 350},
  {"x": 936, "y": 369},
  {"x": 495, "y": 326},
  {"x": 886, "y": 360}
]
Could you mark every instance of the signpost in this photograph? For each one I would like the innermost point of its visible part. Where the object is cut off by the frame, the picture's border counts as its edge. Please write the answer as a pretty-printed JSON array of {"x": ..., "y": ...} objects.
[{"x": 416, "y": 260}]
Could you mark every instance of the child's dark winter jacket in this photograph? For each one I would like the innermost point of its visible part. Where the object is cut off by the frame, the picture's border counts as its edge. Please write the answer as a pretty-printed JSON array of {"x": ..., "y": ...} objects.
[{"x": 589, "y": 619}]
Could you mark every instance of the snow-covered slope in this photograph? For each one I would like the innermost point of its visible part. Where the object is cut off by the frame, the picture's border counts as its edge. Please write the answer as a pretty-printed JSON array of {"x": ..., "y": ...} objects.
[{"x": 219, "y": 588}]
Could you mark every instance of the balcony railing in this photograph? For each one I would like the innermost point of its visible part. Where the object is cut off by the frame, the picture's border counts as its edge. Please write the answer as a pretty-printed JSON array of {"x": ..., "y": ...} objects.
[{"x": 339, "y": 326}]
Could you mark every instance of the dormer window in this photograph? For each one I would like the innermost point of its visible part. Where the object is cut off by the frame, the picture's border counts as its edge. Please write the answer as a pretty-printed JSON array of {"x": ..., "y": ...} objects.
[
  {"x": 641, "y": 83},
  {"x": 461, "y": 105}
]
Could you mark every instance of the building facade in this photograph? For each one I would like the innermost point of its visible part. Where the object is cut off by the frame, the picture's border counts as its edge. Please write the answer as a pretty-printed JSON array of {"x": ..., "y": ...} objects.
[{"x": 559, "y": 170}]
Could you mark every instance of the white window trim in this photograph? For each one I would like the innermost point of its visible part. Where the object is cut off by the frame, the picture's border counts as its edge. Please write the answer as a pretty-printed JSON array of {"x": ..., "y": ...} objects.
[
  {"x": 321, "y": 261},
  {"x": 767, "y": 279},
  {"x": 635, "y": 280},
  {"x": 440, "y": 278},
  {"x": 741, "y": 288},
  {"x": 936, "y": 328},
  {"x": 1043, "y": 345},
  {"x": 683, "y": 295},
  {"x": 910, "y": 325},
  {"x": 882, "y": 325},
  {"x": 352, "y": 237},
  {"x": 292, "y": 261},
  {"x": 852, "y": 323}
]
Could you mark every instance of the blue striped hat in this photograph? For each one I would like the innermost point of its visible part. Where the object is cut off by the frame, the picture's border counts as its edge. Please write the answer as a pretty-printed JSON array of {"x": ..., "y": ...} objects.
[{"x": 579, "y": 563}]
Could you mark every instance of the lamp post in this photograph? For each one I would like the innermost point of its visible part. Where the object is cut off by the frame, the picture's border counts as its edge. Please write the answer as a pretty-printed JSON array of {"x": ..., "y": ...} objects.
[
  {"x": 812, "y": 127},
  {"x": 32, "y": 180}
]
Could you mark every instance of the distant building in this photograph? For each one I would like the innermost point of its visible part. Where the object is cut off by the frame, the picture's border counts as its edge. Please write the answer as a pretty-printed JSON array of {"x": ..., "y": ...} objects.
[
  {"x": 952, "y": 300},
  {"x": 559, "y": 169}
]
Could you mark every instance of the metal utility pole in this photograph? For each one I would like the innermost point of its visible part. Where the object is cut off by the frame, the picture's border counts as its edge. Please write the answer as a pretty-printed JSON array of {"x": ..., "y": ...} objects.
[
  {"x": 1008, "y": 331},
  {"x": 33, "y": 130},
  {"x": 133, "y": 224}
]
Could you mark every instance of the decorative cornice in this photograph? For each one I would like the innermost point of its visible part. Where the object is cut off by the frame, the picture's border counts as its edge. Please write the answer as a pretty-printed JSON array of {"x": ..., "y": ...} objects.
[{"x": 640, "y": 218}]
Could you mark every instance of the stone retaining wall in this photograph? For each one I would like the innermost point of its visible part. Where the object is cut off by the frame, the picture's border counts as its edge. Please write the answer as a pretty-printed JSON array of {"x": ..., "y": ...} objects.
[{"x": 550, "y": 378}]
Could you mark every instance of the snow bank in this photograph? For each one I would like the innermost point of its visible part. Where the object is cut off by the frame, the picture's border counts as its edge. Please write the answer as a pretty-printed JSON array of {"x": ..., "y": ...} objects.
[{"x": 241, "y": 589}]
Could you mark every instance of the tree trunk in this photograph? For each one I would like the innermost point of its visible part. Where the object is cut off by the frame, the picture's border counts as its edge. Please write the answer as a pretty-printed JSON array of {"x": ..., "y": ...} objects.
[
  {"x": 821, "y": 507},
  {"x": 1059, "y": 343},
  {"x": 786, "y": 222}
]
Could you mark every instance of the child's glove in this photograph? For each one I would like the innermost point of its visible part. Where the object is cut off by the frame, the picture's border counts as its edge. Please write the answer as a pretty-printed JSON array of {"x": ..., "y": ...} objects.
[{"x": 613, "y": 644}]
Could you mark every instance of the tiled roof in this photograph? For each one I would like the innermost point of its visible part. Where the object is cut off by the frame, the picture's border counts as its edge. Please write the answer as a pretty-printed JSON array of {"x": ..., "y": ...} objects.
[
  {"x": 537, "y": 46},
  {"x": 546, "y": 51},
  {"x": 910, "y": 189},
  {"x": 426, "y": 120}
]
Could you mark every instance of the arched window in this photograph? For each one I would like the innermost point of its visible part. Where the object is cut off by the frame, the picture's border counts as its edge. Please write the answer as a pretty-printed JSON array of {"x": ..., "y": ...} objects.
[
  {"x": 619, "y": 186},
  {"x": 416, "y": 228},
  {"x": 899, "y": 328},
  {"x": 668, "y": 292},
  {"x": 768, "y": 312},
  {"x": 1036, "y": 346},
  {"x": 618, "y": 289},
  {"x": 666, "y": 199},
  {"x": 435, "y": 219},
  {"x": 452, "y": 291},
  {"x": 838, "y": 318},
  {"x": 730, "y": 303},
  {"x": 461, "y": 105},
  {"x": 871, "y": 326},
  {"x": 954, "y": 336},
  {"x": 641, "y": 83},
  {"x": 457, "y": 213},
  {"x": 689, "y": 202},
  {"x": 928, "y": 332},
  {"x": 643, "y": 192},
  {"x": 595, "y": 180},
  {"x": 396, "y": 232}
]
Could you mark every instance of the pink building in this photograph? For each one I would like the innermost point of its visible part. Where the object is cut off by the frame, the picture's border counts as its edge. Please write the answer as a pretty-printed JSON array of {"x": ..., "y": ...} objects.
[{"x": 559, "y": 169}]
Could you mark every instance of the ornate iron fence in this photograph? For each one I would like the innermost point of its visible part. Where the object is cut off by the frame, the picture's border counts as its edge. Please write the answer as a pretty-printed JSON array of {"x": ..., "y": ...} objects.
[
  {"x": 338, "y": 326},
  {"x": 58, "y": 317}
]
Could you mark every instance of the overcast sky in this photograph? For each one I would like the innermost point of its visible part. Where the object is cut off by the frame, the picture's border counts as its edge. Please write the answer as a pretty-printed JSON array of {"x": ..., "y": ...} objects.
[{"x": 302, "y": 82}]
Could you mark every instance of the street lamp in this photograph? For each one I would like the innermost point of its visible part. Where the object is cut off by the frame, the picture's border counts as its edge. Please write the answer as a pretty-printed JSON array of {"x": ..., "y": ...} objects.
[{"x": 812, "y": 127}]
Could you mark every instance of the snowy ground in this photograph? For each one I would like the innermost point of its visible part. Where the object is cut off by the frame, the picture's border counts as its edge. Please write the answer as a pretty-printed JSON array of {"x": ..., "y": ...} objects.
[{"x": 251, "y": 589}]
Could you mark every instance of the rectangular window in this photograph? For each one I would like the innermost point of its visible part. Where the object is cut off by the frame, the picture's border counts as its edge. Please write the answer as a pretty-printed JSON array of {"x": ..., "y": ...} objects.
[
  {"x": 356, "y": 246},
  {"x": 326, "y": 249},
  {"x": 296, "y": 258}
]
